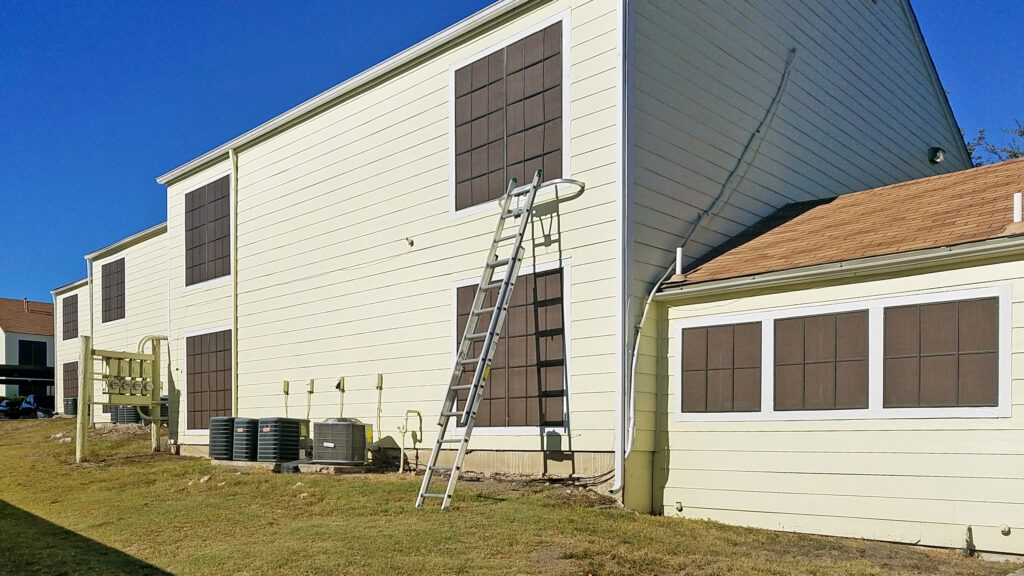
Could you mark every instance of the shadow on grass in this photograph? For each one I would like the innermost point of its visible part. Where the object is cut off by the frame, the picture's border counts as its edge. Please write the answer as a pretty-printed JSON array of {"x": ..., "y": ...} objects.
[{"x": 32, "y": 545}]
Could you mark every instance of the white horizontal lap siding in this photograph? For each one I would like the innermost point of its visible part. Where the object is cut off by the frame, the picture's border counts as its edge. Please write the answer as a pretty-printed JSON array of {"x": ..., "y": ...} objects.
[
  {"x": 329, "y": 287},
  {"x": 910, "y": 479},
  {"x": 65, "y": 351},
  {"x": 145, "y": 297},
  {"x": 859, "y": 110},
  {"x": 195, "y": 309}
]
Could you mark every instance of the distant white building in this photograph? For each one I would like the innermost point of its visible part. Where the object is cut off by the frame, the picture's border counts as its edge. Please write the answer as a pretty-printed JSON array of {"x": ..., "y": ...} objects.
[{"x": 26, "y": 334}]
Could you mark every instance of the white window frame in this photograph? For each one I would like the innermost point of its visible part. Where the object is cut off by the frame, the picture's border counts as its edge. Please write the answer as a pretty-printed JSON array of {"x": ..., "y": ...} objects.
[
  {"x": 221, "y": 280},
  {"x": 477, "y": 209},
  {"x": 876, "y": 355},
  {"x": 184, "y": 361},
  {"x": 99, "y": 265},
  {"x": 566, "y": 265}
]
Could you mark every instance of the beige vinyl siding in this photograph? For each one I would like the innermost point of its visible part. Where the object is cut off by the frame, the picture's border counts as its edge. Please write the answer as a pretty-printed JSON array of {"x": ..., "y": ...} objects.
[
  {"x": 145, "y": 300},
  {"x": 199, "y": 308},
  {"x": 908, "y": 480},
  {"x": 860, "y": 110},
  {"x": 65, "y": 351},
  {"x": 329, "y": 287}
]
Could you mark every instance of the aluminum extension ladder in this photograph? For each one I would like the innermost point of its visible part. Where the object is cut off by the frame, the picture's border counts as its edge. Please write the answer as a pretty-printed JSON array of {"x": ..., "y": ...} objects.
[{"x": 524, "y": 197}]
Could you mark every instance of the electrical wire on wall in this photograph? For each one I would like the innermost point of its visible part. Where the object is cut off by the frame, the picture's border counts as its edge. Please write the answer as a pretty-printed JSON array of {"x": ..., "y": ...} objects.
[{"x": 729, "y": 185}]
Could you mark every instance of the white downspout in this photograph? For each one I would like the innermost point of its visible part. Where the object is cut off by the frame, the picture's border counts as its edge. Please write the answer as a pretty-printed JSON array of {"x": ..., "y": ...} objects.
[
  {"x": 625, "y": 157},
  {"x": 234, "y": 280},
  {"x": 92, "y": 321}
]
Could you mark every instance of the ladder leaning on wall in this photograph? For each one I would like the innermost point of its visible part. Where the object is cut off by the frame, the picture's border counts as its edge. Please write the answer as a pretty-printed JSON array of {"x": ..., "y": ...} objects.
[{"x": 499, "y": 277}]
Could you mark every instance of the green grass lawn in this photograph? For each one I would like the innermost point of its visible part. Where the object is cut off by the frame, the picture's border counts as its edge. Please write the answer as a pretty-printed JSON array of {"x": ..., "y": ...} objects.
[{"x": 131, "y": 512}]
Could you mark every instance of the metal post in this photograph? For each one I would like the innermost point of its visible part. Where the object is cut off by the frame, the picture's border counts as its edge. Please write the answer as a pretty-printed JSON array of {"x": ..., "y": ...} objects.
[
  {"x": 154, "y": 403},
  {"x": 380, "y": 394},
  {"x": 84, "y": 397},
  {"x": 341, "y": 401}
]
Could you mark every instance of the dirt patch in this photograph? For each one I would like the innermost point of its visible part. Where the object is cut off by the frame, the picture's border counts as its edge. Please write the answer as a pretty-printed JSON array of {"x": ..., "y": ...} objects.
[
  {"x": 560, "y": 490},
  {"x": 119, "y": 431}
]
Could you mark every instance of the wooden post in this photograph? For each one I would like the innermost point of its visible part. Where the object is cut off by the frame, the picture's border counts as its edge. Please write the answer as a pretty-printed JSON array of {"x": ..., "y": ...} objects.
[
  {"x": 84, "y": 397},
  {"x": 154, "y": 404}
]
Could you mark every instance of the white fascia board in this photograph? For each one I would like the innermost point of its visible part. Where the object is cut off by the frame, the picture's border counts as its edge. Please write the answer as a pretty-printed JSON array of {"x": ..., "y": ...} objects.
[
  {"x": 71, "y": 286},
  {"x": 325, "y": 98},
  {"x": 129, "y": 241},
  {"x": 874, "y": 264}
]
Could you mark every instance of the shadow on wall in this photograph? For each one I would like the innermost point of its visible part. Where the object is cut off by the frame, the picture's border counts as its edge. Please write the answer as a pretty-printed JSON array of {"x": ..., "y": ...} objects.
[
  {"x": 545, "y": 232},
  {"x": 173, "y": 405},
  {"x": 32, "y": 545}
]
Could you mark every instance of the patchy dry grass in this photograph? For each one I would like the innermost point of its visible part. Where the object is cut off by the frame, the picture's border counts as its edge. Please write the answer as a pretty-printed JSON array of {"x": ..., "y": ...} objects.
[{"x": 131, "y": 512}]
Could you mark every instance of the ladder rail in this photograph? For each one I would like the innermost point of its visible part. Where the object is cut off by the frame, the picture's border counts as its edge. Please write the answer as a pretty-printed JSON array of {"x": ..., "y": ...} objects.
[
  {"x": 525, "y": 197},
  {"x": 465, "y": 344},
  {"x": 504, "y": 296}
]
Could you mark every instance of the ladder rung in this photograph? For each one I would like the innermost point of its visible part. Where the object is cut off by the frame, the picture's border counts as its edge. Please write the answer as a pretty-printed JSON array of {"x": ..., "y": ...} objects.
[
  {"x": 521, "y": 190},
  {"x": 450, "y": 440},
  {"x": 449, "y": 414},
  {"x": 512, "y": 214},
  {"x": 429, "y": 495},
  {"x": 483, "y": 311},
  {"x": 476, "y": 337},
  {"x": 491, "y": 286},
  {"x": 442, "y": 468},
  {"x": 496, "y": 263},
  {"x": 460, "y": 386},
  {"x": 506, "y": 238},
  {"x": 468, "y": 361}
]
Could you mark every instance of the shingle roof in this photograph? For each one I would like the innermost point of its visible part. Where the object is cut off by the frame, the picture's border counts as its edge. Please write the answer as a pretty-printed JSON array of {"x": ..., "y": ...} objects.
[
  {"x": 38, "y": 319},
  {"x": 945, "y": 210}
]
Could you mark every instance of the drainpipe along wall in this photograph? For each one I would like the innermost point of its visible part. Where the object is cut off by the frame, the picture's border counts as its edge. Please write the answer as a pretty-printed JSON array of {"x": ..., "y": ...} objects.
[
  {"x": 233, "y": 155},
  {"x": 88, "y": 271}
]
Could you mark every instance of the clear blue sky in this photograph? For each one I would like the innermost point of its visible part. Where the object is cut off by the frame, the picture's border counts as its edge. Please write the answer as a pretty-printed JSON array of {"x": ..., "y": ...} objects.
[{"x": 99, "y": 98}]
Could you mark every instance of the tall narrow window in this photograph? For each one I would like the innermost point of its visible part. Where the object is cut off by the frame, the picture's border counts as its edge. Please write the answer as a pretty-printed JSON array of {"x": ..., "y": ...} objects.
[
  {"x": 70, "y": 371},
  {"x": 69, "y": 316},
  {"x": 721, "y": 368},
  {"x": 526, "y": 385},
  {"x": 207, "y": 232},
  {"x": 112, "y": 283},
  {"x": 942, "y": 354},
  {"x": 821, "y": 362},
  {"x": 208, "y": 373},
  {"x": 508, "y": 117}
]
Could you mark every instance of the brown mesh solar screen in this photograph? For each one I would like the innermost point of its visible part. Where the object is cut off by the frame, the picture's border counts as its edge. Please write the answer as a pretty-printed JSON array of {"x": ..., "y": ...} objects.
[
  {"x": 508, "y": 117},
  {"x": 69, "y": 317},
  {"x": 821, "y": 362},
  {"x": 721, "y": 368},
  {"x": 942, "y": 354},
  {"x": 112, "y": 283},
  {"x": 208, "y": 367},
  {"x": 207, "y": 232},
  {"x": 526, "y": 386},
  {"x": 70, "y": 370}
]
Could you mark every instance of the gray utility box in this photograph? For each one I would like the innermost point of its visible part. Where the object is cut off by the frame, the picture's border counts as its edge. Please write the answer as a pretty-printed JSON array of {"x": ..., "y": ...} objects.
[{"x": 339, "y": 441}]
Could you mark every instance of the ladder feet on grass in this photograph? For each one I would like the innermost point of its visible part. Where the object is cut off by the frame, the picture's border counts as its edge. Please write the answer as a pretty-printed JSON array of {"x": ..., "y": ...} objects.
[{"x": 494, "y": 317}]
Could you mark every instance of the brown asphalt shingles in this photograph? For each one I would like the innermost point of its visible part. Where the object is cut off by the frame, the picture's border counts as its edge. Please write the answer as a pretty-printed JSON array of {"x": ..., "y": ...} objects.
[{"x": 956, "y": 208}]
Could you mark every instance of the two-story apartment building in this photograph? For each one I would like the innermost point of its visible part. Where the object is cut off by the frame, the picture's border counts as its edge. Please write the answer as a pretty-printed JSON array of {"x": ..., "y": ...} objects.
[
  {"x": 343, "y": 238},
  {"x": 120, "y": 302}
]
